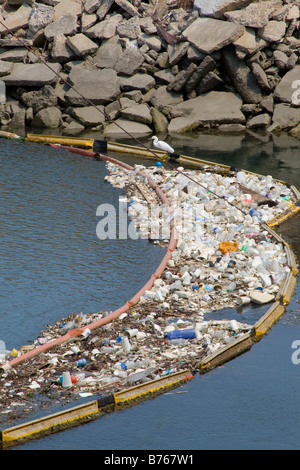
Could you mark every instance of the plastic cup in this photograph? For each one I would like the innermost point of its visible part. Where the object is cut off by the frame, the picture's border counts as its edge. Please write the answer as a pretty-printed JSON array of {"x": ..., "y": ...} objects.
[
  {"x": 244, "y": 300},
  {"x": 66, "y": 380}
]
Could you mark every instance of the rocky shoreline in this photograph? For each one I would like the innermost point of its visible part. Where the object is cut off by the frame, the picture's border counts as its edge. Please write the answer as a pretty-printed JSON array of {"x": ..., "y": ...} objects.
[{"x": 142, "y": 67}]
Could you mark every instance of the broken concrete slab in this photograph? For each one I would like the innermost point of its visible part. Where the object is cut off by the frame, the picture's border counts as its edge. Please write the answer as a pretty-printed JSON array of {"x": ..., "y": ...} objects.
[
  {"x": 18, "y": 19},
  {"x": 287, "y": 90},
  {"x": 255, "y": 15},
  {"x": 98, "y": 86},
  {"x": 108, "y": 53},
  {"x": 209, "y": 35},
  {"x": 215, "y": 107},
  {"x": 66, "y": 25},
  {"x": 216, "y": 8},
  {"x": 121, "y": 127},
  {"x": 286, "y": 115},
  {"x": 138, "y": 81},
  {"x": 89, "y": 116},
  {"x": 81, "y": 45},
  {"x": 32, "y": 74},
  {"x": 139, "y": 112},
  {"x": 242, "y": 77}
]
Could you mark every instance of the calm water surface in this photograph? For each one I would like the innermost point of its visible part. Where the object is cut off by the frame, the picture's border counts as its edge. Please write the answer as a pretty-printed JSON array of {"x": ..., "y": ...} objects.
[{"x": 52, "y": 264}]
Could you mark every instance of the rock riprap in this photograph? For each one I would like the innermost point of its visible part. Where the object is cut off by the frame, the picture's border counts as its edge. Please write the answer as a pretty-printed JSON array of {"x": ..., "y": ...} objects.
[{"x": 177, "y": 55}]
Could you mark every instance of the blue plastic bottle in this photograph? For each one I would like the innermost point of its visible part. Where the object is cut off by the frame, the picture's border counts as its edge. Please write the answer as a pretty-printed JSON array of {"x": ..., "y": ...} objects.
[{"x": 186, "y": 334}]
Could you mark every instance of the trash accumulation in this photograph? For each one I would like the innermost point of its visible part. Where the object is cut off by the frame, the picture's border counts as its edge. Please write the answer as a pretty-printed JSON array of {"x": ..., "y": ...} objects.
[{"x": 224, "y": 257}]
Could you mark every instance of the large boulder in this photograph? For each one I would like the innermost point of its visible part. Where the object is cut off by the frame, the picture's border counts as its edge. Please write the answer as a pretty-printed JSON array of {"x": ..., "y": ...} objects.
[
  {"x": 215, "y": 107},
  {"x": 32, "y": 74},
  {"x": 96, "y": 86},
  {"x": 48, "y": 117},
  {"x": 242, "y": 77},
  {"x": 209, "y": 35},
  {"x": 216, "y": 8},
  {"x": 39, "y": 99}
]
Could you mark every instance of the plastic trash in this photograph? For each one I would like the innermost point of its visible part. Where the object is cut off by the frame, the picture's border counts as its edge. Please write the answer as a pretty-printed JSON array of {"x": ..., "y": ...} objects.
[
  {"x": 126, "y": 344},
  {"x": 81, "y": 362},
  {"x": 185, "y": 334}
]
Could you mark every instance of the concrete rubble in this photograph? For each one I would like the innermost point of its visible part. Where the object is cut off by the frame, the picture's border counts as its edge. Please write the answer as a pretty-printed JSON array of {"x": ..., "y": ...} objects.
[
  {"x": 169, "y": 51},
  {"x": 223, "y": 258}
]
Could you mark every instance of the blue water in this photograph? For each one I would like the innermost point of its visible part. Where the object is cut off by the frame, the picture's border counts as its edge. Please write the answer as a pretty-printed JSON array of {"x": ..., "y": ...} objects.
[{"x": 52, "y": 264}]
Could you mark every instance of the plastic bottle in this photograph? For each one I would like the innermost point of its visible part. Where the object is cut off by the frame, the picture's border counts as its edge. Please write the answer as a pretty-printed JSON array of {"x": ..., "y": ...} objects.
[
  {"x": 81, "y": 362},
  {"x": 231, "y": 287},
  {"x": 186, "y": 334}
]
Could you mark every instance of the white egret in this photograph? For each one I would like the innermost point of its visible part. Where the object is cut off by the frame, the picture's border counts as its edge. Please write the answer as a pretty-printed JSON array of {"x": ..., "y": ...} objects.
[{"x": 162, "y": 145}]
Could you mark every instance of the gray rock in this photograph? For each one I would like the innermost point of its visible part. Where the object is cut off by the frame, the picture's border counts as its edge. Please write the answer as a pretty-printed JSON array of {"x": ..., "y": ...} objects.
[
  {"x": 216, "y": 8},
  {"x": 242, "y": 77},
  {"x": 259, "y": 121},
  {"x": 89, "y": 116},
  {"x": 179, "y": 82},
  {"x": 60, "y": 51},
  {"x": 159, "y": 120},
  {"x": 267, "y": 104},
  {"x": 147, "y": 25},
  {"x": 255, "y": 15},
  {"x": 91, "y": 6},
  {"x": 207, "y": 65},
  {"x": 176, "y": 52},
  {"x": 16, "y": 20},
  {"x": 32, "y": 75},
  {"x": 286, "y": 90},
  {"x": 67, "y": 6},
  {"x": 286, "y": 115},
  {"x": 108, "y": 53},
  {"x": 153, "y": 42},
  {"x": 128, "y": 7},
  {"x": 99, "y": 87},
  {"x": 281, "y": 59},
  {"x": 129, "y": 28},
  {"x": 66, "y": 25},
  {"x": 165, "y": 100},
  {"x": 211, "y": 81},
  {"x": 249, "y": 43},
  {"x": 274, "y": 31},
  {"x": 121, "y": 127},
  {"x": 81, "y": 45},
  {"x": 40, "y": 99},
  {"x": 5, "y": 68},
  {"x": 105, "y": 29},
  {"x": 138, "y": 81},
  {"x": 48, "y": 117},
  {"x": 87, "y": 21},
  {"x": 208, "y": 34},
  {"x": 261, "y": 77},
  {"x": 40, "y": 17},
  {"x": 215, "y": 107},
  {"x": 129, "y": 62},
  {"x": 14, "y": 55},
  {"x": 165, "y": 76},
  {"x": 139, "y": 112},
  {"x": 104, "y": 8},
  {"x": 18, "y": 119},
  {"x": 112, "y": 110}
]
